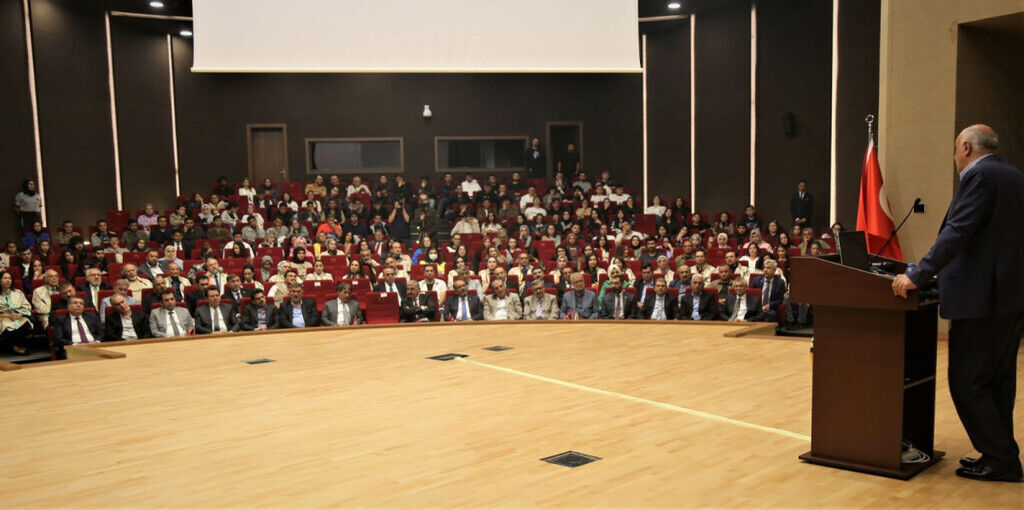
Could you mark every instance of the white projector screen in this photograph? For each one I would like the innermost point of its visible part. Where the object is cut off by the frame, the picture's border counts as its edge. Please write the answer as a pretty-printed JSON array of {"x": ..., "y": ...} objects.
[{"x": 436, "y": 36}]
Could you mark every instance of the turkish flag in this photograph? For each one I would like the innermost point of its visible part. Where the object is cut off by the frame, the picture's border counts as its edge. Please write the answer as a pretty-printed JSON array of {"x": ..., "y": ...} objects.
[{"x": 873, "y": 216}]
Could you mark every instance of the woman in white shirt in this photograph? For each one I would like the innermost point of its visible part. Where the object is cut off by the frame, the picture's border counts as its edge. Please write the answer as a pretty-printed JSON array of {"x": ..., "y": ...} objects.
[
  {"x": 751, "y": 258},
  {"x": 655, "y": 208},
  {"x": 318, "y": 274},
  {"x": 246, "y": 190},
  {"x": 250, "y": 211},
  {"x": 286, "y": 199}
]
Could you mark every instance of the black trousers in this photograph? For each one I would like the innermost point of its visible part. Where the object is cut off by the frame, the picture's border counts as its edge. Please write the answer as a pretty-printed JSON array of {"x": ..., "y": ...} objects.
[{"x": 983, "y": 382}]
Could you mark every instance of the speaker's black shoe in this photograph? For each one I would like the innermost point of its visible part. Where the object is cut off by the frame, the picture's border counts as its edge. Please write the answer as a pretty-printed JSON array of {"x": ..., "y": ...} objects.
[
  {"x": 969, "y": 461},
  {"x": 988, "y": 473}
]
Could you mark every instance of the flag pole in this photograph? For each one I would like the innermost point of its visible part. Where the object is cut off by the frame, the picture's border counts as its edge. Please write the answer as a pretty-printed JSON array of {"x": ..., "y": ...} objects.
[{"x": 870, "y": 119}]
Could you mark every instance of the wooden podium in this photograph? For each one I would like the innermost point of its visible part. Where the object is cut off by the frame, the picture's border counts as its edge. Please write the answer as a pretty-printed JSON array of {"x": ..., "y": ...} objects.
[{"x": 874, "y": 368}]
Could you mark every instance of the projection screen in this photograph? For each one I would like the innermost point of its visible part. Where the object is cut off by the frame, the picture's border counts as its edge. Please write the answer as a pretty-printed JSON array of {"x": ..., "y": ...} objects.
[{"x": 473, "y": 36}]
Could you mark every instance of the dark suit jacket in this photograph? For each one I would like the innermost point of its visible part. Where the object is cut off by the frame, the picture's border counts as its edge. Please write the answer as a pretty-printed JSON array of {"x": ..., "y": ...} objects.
[
  {"x": 801, "y": 207},
  {"x": 250, "y": 317},
  {"x": 204, "y": 321},
  {"x": 607, "y": 310},
  {"x": 977, "y": 255},
  {"x": 707, "y": 306},
  {"x": 401, "y": 288},
  {"x": 753, "y": 307},
  {"x": 88, "y": 295},
  {"x": 309, "y": 314},
  {"x": 671, "y": 305},
  {"x": 778, "y": 294},
  {"x": 62, "y": 331},
  {"x": 113, "y": 330},
  {"x": 476, "y": 308},
  {"x": 413, "y": 311}
]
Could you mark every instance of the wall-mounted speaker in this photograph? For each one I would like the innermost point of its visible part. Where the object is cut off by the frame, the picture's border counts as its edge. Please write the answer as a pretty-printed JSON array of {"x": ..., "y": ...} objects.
[{"x": 789, "y": 125}]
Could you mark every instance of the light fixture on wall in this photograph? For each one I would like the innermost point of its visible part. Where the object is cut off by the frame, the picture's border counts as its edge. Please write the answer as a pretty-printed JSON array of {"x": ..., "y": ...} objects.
[
  {"x": 426, "y": 112},
  {"x": 185, "y": 33},
  {"x": 157, "y": 5},
  {"x": 674, "y": 5}
]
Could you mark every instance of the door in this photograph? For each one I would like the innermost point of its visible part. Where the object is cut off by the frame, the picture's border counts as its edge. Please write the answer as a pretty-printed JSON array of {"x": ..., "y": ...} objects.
[
  {"x": 268, "y": 152},
  {"x": 560, "y": 135}
]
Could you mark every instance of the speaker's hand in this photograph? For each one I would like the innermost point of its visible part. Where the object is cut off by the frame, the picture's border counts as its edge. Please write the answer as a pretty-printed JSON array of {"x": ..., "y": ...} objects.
[{"x": 901, "y": 285}]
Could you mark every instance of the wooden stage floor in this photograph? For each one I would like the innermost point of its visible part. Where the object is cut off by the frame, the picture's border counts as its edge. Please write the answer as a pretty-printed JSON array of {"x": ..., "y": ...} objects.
[{"x": 679, "y": 414}]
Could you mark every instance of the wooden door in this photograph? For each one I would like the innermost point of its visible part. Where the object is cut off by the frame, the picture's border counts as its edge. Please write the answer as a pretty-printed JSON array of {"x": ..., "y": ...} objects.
[{"x": 268, "y": 152}]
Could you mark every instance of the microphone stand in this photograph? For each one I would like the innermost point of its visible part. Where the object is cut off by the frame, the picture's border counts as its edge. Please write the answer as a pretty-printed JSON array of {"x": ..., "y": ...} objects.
[{"x": 893, "y": 234}]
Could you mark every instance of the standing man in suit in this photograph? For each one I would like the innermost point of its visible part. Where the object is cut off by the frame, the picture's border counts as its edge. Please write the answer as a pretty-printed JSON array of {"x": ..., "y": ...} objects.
[
  {"x": 75, "y": 328},
  {"x": 740, "y": 306},
  {"x": 580, "y": 302},
  {"x": 258, "y": 314},
  {"x": 801, "y": 205},
  {"x": 418, "y": 306},
  {"x": 463, "y": 306},
  {"x": 773, "y": 290},
  {"x": 93, "y": 285},
  {"x": 617, "y": 304},
  {"x": 343, "y": 311},
  {"x": 502, "y": 305},
  {"x": 215, "y": 316},
  {"x": 698, "y": 304},
  {"x": 389, "y": 284},
  {"x": 296, "y": 312},
  {"x": 977, "y": 257},
  {"x": 539, "y": 305},
  {"x": 125, "y": 323},
  {"x": 170, "y": 320},
  {"x": 659, "y": 305}
]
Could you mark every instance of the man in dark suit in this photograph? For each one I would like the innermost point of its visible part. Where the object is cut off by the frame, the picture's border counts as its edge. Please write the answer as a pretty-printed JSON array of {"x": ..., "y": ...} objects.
[
  {"x": 659, "y": 305},
  {"x": 801, "y": 205},
  {"x": 617, "y": 303},
  {"x": 389, "y": 284},
  {"x": 258, "y": 315},
  {"x": 151, "y": 298},
  {"x": 192, "y": 299},
  {"x": 418, "y": 306},
  {"x": 740, "y": 306},
  {"x": 153, "y": 265},
  {"x": 463, "y": 306},
  {"x": 296, "y": 312},
  {"x": 773, "y": 290},
  {"x": 215, "y": 316},
  {"x": 93, "y": 285},
  {"x": 125, "y": 323},
  {"x": 75, "y": 327},
  {"x": 234, "y": 292},
  {"x": 698, "y": 304},
  {"x": 977, "y": 257}
]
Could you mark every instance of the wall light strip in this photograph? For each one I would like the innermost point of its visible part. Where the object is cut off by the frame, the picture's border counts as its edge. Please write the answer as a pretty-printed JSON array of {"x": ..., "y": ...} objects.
[
  {"x": 693, "y": 114},
  {"x": 643, "y": 45},
  {"x": 835, "y": 100},
  {"x": 113, "y": 115},
  {"x": 174, "y": 118},
  {"x": 753, "y": 102},
  {"x": 35, "y": 108}
]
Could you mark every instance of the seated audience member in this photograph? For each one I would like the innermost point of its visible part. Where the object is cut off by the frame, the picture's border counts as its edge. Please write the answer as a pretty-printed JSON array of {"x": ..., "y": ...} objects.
[
  {"x": 215, "y": 316},
  {"x": 234, "y": 292},
  {"x": 121, "y": 287},
  {"x": 130, "y": 237},
  {"x": 644, "y": 283},
  {"x": 738, "y": 269},
  {"x": 538, "y": 304},
  {"x": 659, "y": 305},
  {"x": 467, "y": 224},
  {"x": 806, "y": 240},
  {"x": 41, "y": 304},
  {"x": 343, "y": 311},
  {"x": 67, "y": 291},
  {"x": 160, "y": 233},
  {"x": 125, "y": 323},
  {"x": 170, "y": 320},
  {"x": 15, "y": 312},
  {"x": 253, "y": 232},
  {"x": 617, "y": 303},
  {"x": 773, "y": 290},
  {"x": 76, "y": 327},
  {"x": 65, "y": 234},
  {"x": 463, "y": 306},
  {"x": 431, "y": 283},
  {"x": 101, "y": 236},
  {"x": 418, "y": 306},
  {"x": 170, "y": 255},
  {"x": 318, "y": 274},
  {"x": 130, "y": 272},
  {"x": 192, "y": 298},
  {"x": 501, "y": 304},
  {"x": 755, "y": 239},
  {"x": 258, "y": 314},
  {"x": 697, "y": 304},
  {"x": 750, "y": 260},
  {"x": 701, "y": 266},
  {"x": 580, "y": 302},
  {"x": 151, "y": 298},
  {"x": 750, "y": 220},
  {"x": 279, "y": 291},
  {"x": 174, "y": 281},
  {"x": 92, "y": 286},
  {"x": 296, "y": 312},
  {"x": 153, "y": 265},
  {"x": 389, "y": 284},
  {"x": 740, "y": 306}
]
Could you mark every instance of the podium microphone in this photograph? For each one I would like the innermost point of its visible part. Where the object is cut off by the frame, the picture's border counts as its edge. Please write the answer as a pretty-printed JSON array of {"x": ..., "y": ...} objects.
[{"x": 917, "y": 201}]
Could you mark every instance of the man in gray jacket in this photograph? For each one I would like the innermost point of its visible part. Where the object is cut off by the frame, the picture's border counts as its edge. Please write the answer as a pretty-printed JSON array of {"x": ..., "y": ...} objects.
[
  {"x": 170, "y": 320},
  {"x": 343, "y": 311}
]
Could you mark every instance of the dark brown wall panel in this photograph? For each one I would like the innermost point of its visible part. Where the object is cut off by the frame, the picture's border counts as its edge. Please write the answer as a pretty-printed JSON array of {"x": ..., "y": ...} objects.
[
  {"x": 793, "y": 76},
  {"x": 722, "y": 51},
  {"x": 74, "y": 111},
  {"x": 16, "y": 144},
  {"x": 668, "y": 108},
  {"x": 213, "y": 110},
  {"x": 143, "y": 116},
  {"x": 857, "y": 97}
]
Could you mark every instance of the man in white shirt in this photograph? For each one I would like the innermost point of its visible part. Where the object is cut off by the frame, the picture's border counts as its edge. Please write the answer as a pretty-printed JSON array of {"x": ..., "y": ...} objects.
[
  {"x": 619, "y": 196},
  {"x": 170, "y": 320},
  {"x": 535, "y": 208},
  {"x": 431, "y": 283},
  {"x": 470, "y": 186},
  {"x": 527, "y": 199},
  {"x": 702, "y": 267},
  {"x": 357, "y": 186},
  {"x": 217, "y": 276}
]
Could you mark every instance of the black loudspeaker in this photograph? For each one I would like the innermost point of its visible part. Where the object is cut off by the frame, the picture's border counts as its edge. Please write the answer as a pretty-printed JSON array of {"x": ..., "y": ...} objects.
[{"x": 789, "y": 125}]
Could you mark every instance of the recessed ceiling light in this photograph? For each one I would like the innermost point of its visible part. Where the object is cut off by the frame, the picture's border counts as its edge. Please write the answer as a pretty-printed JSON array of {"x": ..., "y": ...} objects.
[
  {"x": 674, "y": 5},
  {"x": 158, "y": 5},
  {"x": 186, "y": 33}
]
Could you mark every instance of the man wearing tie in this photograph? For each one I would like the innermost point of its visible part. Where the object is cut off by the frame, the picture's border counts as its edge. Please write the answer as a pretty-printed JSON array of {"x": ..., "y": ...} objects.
[
  {"x": 93, "y": 285},
  {"x": 217, "y": 277},
  {"x": 75, "y": 328},
  {"x": 463, "y": 306},
  {"x": 343, "y": 311},
  {"x": 170, "y": 320},
  {"x": 418, "y": 306},
  {"x": 179, "y": 244},
  {"x": 618, "y": 304},
  {"x": 740, "y": 306},
  {"x": 258, "y": 314},
  {"x": 233, "y": 291},
  {"x": 580, "y": 302},
  {"x": 801, "y": 205},
  {"x": 539, "y": 305},
  {"x": 389, "y": 284},
  {"x": 698, "y": 304},
  {"x": 659, "y": 305},
  {"x": 125, "y": 323},
  {"x": 773, "y": 291},
  {"x": 215, "y": 316},
  {"x": 977, "y": 257}
]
